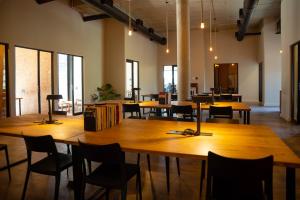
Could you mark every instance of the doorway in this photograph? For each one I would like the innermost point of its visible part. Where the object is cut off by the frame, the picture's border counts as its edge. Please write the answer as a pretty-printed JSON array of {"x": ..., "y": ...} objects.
[
  {"x": 295, "y": 81},
  {"x": 4, "y": 89},
  {"x": 170, "y": 78},
  {"x": 132, "y": 78},
  {"x": 226, "y": 78},
  {"x": 33, "y": 80},
  {"x": 70, "y": 83}
]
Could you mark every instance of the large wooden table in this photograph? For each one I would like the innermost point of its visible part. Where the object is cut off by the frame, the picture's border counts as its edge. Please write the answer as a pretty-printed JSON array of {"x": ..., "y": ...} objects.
[
  {"x": 238, "y": 141},
  {"x": 236, "y": 106}
]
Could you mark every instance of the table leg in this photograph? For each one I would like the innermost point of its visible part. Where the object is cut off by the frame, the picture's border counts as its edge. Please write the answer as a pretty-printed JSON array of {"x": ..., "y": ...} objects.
[
  {"x": 20, "y": 112},
  {"x": 290, "y": 184},
  {"x": 14, "y": 164},
  {"x": 77, "y": 173},
  {"x": 167, "y": 159},
  {"x": 248, "y": 117},
  {"x": 158, "y": 112},
  {"x": 245, "y": 116}
]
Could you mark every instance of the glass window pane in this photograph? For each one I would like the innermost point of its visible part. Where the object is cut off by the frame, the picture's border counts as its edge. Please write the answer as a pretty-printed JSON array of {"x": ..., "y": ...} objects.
[
  {"x": 135, "y": 75},
  {"x": 77, "y": 74},
  {"x": 64, "y": 103},
  {"x": 128, "y": 88},
  {"x": 3, "y": 82},
  {"x": 26, "y": 80},
  {"x": 168, "y": 78},
  {"x": 45, "y": 79}
]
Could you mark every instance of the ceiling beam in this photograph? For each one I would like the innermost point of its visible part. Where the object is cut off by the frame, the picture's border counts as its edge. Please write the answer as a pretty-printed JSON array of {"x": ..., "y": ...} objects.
[
  {"x": 245, "y": 15},
  {"x": 43, "y": 1},
  {"x": 95, "y": 17},
  {"x": 108, "y": 7}
]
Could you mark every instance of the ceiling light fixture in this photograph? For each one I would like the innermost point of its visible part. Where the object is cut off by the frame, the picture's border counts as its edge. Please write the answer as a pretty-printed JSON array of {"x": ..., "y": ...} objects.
[
  {"x": 202, "y": 25},
  {"x": 167, "y": 27},
  {"x": 210, "y": 41},
  {"x": 129, "y": 19},
  {"x": 215, "y": 34}
]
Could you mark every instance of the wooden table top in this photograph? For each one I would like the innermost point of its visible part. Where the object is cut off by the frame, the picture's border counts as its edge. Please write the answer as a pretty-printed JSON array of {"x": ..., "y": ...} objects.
[
  {"x": 236, "y": 106},
  {"x": 232, "y": 140},
  {"x": 24, "y": 125}
]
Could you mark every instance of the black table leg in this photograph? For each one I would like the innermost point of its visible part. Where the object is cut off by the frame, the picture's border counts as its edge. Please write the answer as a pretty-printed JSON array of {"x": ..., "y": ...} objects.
[
  {"x": 248, "y": 117},
  {"x": 77, "y": 173},
  {"x": 14, "y": 164},
  {"x": 245, "y": 116},
  {"x": 290, "y": 184},
  {"x": 158, "y": 112},
  {"x": 167, "y": 159}
]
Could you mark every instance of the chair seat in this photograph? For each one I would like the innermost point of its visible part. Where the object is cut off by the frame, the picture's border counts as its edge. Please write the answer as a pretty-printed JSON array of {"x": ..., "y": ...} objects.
[
  {"x": 48, "y": 166},
  {"x": 3, "y": 146},
  {"x": 108, "y": 175}
]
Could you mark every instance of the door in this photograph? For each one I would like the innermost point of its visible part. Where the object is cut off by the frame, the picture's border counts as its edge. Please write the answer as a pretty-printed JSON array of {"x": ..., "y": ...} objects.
[
  {"x": 33, "y": 80},
  {"x": 132, "y": 78},
  {"x": 4, "y": 90},
  {"x": 70, "y": 83},
  {"x": 295, "y": 82}
]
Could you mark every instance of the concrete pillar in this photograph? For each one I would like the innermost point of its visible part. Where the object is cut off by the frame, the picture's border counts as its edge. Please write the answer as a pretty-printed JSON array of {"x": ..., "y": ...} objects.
[{"x": 183, "y": 48}]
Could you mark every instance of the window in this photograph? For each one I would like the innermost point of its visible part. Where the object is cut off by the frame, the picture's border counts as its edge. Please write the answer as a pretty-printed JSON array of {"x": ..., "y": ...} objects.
[
  {"x": 70, "y": 83},
  {"x": 170, "y": 78},
  {"x": 4, "y": 103},
  {"x": 33, "y": 80},
  {"x": 132, "y": 77}
]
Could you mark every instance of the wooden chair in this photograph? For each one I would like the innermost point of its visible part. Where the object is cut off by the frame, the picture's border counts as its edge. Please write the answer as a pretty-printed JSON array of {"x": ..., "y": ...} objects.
[
  {"x": 186, "y": 111},
  {"x": 113, "y": 173},
  {"x": 235, "y": 179},
  {"x": 220, "y": 112},
  {"x": 4, "y": 148},
  {"x": 132, "y": 108},
  {"x": 51, "y": 165}
]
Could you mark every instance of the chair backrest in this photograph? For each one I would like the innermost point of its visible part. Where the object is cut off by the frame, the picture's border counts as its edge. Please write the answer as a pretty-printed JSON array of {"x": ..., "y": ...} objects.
[
  {"x": 223, "y": 120},
  {"x": 110, "y": 153},
  {"x": 131, "y": 108},
  {"x": 229, "y": 178},
  {"x": 220, "y": 112},
  {"x": 154, "y": 97},
  {"x": 182, "y": 109},
  {"x": 60, "y": 112},
  {"x": 226, "y": 97}
]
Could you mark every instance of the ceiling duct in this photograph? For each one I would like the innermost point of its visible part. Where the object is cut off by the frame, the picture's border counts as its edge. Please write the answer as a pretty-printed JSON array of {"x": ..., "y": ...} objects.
[
  {"x": 43, "y": 1},
  {"x": 245, "y": 15},
  {"x": 108, "y": 7}
]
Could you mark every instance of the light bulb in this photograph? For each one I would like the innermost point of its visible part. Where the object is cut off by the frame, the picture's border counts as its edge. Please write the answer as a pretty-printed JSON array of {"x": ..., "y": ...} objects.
[
  {"x": 130, "y": 32},
  {"x": 216, "y": 57},
  {"x": 280, "y": 51},
  {"x": 202, "y": 25},
  {"x": 167, "y": 50},
  {"x": 210, "y": 49}
]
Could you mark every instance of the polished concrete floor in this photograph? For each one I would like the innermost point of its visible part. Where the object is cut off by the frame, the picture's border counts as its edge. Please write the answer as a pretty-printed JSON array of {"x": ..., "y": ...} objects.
[{"x": 184, "y": 187}]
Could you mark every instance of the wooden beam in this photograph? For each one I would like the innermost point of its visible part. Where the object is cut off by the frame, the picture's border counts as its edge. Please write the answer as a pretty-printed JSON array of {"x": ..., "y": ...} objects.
[
  {"x": 95, "y": 17},
  {"x": 43, "y": 1}
]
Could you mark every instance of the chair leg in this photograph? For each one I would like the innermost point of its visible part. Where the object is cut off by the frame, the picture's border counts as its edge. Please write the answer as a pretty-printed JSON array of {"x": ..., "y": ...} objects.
[
  {"x": 202, "y": 176},
  {"x": 89, "y": 166},
  {"x": 178, "y": 166},
  {"x": 139, "y": 185},
  {"x": 138, "y": 159},
  {"x": 167, "y": 160},
  {"x": 124, "y": 192},
  {"x": 148, "y": 160},
  {"x": 25, "y": 184},
  {"x": 57, "y": 183},
  {"x": 107, "y": 194},
  {"x": 7, "y": 162}
]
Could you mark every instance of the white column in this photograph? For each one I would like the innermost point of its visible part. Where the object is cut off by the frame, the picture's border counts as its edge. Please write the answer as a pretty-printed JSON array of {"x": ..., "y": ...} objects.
[{"x": 183, "y": 48}]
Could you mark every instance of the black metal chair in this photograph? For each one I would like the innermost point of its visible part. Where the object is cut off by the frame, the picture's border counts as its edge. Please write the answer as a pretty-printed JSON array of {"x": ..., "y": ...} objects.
[
  {"x": 4, "y": 147},
  {"x": 220, "y": 112},
  {"x": 51, "y": 165},
  {"x": 132, "y": 108},
  {"x": 235, "y": 179},
  {"x": 224, "y": 120},
  {"x": 113, "y": 173},
  {"x": 226, "y": 97},
  {"x": 186, "y": 111}
]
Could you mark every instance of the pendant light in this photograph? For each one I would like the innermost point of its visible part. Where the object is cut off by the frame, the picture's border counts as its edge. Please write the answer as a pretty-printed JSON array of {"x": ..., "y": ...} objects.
[
  {"x": 202, "y": 25},
  {"x": 129, "y": 20},
  {"x": 167, "y": 27},
  {"x": 210, "y": 40},
  {"x": 215, "y": 38}
]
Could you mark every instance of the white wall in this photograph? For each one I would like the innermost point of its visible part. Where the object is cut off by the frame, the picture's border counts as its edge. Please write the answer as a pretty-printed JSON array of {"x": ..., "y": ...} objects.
[
  {"x": 290, "y": 33},
  {"x": 271, "y": 46},
  {"x": 140, "y": 48},
  {"x": 54, "y": 26}
]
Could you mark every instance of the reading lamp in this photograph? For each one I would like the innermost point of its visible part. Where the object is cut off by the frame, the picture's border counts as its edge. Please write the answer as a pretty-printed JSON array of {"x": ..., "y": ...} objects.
[
  {"x": 50, "y": 99},
  {"x": 198, "y": 100}
]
